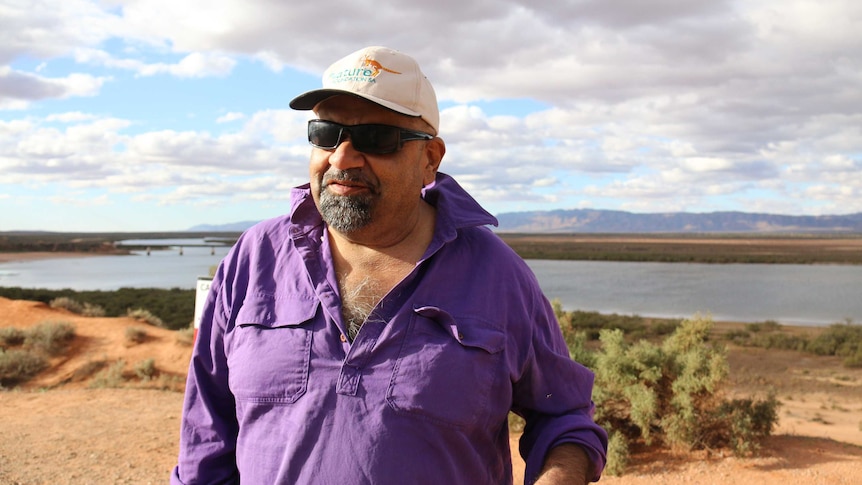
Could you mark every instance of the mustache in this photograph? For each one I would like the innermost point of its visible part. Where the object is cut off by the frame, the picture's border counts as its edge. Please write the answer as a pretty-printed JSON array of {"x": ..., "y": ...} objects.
[{"x": 352, "y": 176}]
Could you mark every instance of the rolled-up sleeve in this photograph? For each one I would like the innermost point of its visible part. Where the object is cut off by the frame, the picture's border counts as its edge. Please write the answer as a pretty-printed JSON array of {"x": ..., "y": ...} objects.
[{"x": 553, "y": 394}]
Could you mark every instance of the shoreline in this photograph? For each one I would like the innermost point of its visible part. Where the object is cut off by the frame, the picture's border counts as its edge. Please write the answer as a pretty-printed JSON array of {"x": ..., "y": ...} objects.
[{"x": 6, "y": 257}]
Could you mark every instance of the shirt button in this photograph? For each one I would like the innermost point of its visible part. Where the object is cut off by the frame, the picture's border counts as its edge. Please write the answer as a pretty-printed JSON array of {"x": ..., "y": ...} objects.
[
  {"x": 343, "y": 338},
  {"x": 460, "y": 336}
]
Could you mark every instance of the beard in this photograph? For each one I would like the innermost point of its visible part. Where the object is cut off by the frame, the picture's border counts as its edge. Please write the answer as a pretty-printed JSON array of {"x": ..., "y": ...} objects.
[{"x": 346, "y": 213}]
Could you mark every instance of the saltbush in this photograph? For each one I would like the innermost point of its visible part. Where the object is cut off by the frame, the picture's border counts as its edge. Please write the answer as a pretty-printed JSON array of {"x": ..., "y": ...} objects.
[
  {"x": 145, "y": 369},
  {"x": 135, "y": 335},
  {"x": 11, "y": 337},
  {"x": 18, "y": 365},
  {"x": 145, "y": 316},
  {"x": 52, "y": 338},
  {"x": 669, "y": 393}
]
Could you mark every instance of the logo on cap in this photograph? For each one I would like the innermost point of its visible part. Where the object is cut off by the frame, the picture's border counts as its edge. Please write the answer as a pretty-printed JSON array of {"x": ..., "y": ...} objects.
[
  {"x": 368, "y": 71},
  {"x": 375, "y": 66}
]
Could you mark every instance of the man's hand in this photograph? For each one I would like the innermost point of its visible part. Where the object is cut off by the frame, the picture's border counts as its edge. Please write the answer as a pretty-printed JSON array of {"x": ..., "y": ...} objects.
[{"x": 566, "y": 464}]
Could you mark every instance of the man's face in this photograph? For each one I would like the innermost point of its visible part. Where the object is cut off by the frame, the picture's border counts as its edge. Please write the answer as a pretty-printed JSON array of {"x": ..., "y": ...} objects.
[{"x": 352, "y": 190}]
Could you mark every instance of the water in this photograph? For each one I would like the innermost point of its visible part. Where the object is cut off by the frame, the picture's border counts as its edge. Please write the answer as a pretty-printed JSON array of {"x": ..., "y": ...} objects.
[
  {"x": 162, "y": 268},
  {"x": 790, "y": 294}
]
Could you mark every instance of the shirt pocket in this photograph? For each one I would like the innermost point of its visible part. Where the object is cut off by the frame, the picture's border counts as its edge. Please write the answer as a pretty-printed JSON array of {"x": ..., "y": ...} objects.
[
  {"x": 270, "y": 350},
  {"x": 446, "y": 369}
]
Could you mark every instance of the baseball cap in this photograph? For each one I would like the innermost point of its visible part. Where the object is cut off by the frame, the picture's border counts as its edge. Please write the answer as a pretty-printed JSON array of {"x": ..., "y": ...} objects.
[{"x": 381, "y": 75}]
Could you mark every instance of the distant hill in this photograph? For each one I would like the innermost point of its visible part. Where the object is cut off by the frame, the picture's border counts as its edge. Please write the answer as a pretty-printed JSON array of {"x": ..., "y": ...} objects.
[
  {"x": 232, "y": 227},
  {"x": 609, "y": 221}
]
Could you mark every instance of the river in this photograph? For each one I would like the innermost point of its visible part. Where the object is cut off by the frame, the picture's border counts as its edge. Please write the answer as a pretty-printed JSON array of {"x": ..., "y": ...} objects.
[{"x": 789, "y": 294}]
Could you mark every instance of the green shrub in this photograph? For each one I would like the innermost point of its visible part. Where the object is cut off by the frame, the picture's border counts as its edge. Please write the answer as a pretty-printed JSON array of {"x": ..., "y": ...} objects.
[
  {"x": 135, "y": 335},
  {"x": 186, "y": 336},
  {"x": 91, "y": 310},
  {"x": 778, "y": 340},
  {"x": 744, "y": 423},
  {"x": 668, "y": 393},
  {"x": 841, "y": 339},
  {"x": 145, "y": 369},
  {"x": 52, "y": 338},
  {"x": 112, "y": 377},
  {"x": 618, "y": 454},
  {"x": 18, "y": 366},
  {"x": 11, "y": 337},
  {"x": 516, "y": 423},
  {"x": 145, "y": 316},
  {"x": 67, "y": 303}
]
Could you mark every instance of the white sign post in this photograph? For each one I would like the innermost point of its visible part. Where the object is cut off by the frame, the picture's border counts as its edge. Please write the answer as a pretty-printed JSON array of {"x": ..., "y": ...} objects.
[{"x": 202, "y": 290}]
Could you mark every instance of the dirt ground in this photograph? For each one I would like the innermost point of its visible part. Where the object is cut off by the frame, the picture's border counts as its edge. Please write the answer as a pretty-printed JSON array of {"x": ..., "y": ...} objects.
[{"x": 59, "y": 430}]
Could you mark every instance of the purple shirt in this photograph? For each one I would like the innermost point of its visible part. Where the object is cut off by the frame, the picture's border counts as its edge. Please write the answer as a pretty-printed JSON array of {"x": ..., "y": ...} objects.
[{"x": 277, "y": 394}]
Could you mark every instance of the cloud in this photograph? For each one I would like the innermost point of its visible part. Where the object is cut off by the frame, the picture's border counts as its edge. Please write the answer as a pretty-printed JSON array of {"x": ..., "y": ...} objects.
[
  {"x": 674, "y": 104},
  {"x": 17, "y": 89},
  {"x": 228, "y": 117},
  {"x": 194, "y": 65}
]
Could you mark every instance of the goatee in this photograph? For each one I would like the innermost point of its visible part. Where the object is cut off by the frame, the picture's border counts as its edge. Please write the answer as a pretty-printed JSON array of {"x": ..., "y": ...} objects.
[{"x": 346, "y": 213}]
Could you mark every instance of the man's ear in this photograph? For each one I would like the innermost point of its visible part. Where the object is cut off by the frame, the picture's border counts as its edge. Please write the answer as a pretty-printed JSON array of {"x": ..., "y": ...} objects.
[{"x": 434, "y": 151}]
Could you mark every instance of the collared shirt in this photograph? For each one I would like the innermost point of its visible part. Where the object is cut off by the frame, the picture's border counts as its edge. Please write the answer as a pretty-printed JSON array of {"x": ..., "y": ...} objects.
[{"x": 276, "y": 393}]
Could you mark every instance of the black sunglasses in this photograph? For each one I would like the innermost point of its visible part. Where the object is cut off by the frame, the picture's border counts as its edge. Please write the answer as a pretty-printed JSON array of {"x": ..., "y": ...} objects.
[{"x": 371, "y": 139}]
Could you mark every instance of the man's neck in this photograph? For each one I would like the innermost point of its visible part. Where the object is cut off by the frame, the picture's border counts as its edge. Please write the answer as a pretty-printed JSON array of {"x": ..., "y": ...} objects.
[{"x": 402, "y": 240}]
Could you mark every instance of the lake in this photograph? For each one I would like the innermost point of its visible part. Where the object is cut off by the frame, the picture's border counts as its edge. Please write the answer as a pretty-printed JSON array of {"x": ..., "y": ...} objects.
[{"x": 789, "y": 294}]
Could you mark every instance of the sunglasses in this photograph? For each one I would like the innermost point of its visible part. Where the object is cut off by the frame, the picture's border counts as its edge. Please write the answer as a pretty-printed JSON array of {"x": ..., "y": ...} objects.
[{"x": 371, "y": 139}]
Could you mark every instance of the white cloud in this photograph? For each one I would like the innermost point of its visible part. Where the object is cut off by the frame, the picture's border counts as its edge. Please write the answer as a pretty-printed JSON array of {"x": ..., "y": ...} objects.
[
  {"x": 685, "y": 104},
  {"x": 228, "y": 117}
]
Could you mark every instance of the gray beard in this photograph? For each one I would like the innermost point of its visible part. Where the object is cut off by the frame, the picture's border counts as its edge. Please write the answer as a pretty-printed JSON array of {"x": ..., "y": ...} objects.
[{"x": 345, "y": 213}]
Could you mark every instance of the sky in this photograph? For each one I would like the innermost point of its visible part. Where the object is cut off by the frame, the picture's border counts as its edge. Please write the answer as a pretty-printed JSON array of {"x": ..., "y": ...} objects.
[{"x": 159, "y": 115}]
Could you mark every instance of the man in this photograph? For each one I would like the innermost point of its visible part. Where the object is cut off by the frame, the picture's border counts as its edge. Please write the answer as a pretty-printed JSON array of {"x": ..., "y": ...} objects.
[{"x": 379, "y": 333}]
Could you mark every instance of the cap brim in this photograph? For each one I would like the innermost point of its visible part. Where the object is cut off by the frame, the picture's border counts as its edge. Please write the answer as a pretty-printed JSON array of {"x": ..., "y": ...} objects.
[{"x": 308, "y": 100}]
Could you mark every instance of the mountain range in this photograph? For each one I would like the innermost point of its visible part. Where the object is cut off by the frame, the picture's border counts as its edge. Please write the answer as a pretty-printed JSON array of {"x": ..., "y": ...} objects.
[{"x": 611, "y": 221}]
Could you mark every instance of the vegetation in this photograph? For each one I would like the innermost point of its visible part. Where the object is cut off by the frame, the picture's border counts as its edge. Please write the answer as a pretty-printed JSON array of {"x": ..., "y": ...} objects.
[
  {"x": 110, "y": 377},
  {"x": 74, "y": 306},
  {"x": 145, "y": 316},
  {"x": 839, "y": 339},
  {"x": 146, "y": 369},
  {"x": 173, "y": 307},
  {"x": 655, "y": 392},
  {"x": 135, "y": 335},
  {"x": 688, "y": 248},
  {"x": 25, "y": 353},
  {"x": 702, "y": 248}
]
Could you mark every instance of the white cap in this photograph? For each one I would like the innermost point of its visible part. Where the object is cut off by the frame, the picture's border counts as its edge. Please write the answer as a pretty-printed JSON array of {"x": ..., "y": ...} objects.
[{"x": 381, "y": 75}]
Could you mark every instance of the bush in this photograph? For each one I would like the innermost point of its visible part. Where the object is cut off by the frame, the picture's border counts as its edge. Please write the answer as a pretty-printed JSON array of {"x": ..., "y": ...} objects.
[
  {"x": 93, "y": 310},
  {"x": 111, "y": 377},
  {"x": 11, "y": 337},
  {"x": 841, "y": 339},
  {"x": 135, "y": 335},
  {"x": 668, "y": 393},
  {"x": 145, "y": 316},
  {"x": 67, "y": 303},
  {"x": 186, "y": 336},
  {"x": 777, "y": 340},
  {"x": 18, "y": 365},
  {"x": 76, "y": 307},
  {"x": 52, "y": 338},
  {"x": 145, "y": 369},
  {"x": 618, "y": 454},
  {"x": 742, "y": 424}
]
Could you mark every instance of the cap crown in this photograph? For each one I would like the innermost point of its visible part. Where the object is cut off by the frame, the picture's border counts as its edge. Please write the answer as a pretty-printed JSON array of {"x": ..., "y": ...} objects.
[{"x": 381, "y": 75}]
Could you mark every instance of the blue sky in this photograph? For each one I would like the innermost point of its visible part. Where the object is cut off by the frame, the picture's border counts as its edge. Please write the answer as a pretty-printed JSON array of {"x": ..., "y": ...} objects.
[{"x": 151, "y": 115}]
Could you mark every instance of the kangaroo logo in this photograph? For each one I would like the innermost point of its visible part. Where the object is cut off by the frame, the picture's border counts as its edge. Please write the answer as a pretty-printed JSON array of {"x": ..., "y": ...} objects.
[{"x": 375, "y": 66}]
